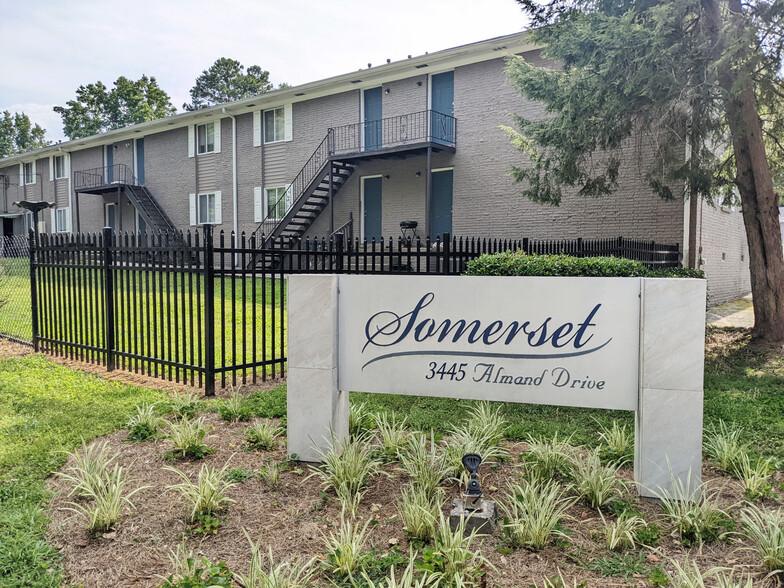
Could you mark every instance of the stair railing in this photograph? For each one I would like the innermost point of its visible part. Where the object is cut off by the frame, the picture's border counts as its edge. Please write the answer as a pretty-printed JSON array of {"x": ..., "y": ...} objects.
[
  {"x": 151, "y": 199},
  {"x": 118, "y": 173},
  {"x": 277, "y": 209}
]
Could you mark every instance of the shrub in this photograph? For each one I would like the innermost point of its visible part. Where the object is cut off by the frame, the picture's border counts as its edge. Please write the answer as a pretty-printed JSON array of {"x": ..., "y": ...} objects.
[
  {"x": 517, "y": 263},
  {"x": 208, "y": 495},
  {"x": 533, "y": 513}
]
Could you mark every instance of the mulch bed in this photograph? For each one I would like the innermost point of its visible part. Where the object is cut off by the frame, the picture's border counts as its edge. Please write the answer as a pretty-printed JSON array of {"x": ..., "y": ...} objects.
[{"x": 292, "y": 519}]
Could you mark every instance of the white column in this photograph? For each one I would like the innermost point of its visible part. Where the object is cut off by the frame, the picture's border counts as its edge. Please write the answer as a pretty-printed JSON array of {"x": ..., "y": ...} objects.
[
  {"x": 317, "y": 411},
  {"x": 668, "y": 427}
]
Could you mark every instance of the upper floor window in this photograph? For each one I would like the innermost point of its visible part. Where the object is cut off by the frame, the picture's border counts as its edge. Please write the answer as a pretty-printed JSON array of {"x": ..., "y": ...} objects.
[
  {"x": 29, "y": 173},
  {"x": 59, "y": 167},
  {"x": 275, "y": 125},
  {"x": 206, "y": 138}
]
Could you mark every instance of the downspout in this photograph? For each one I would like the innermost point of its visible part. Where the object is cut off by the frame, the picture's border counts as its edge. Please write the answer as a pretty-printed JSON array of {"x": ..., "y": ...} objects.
[
  {"x": 234, "y": 175},
  {"x": 70, "y": 188}
]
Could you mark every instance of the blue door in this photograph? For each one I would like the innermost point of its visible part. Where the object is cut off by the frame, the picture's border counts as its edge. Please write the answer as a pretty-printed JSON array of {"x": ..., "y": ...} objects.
[
  {"x": 109, "y": 164},
  {"x": 373, "y": 119},
  {"x": 442, "y": 103},
  {"x": 441, "y": 204},
  {"x": 140, "y": 161},
  {"x": 371, "y": 204}
]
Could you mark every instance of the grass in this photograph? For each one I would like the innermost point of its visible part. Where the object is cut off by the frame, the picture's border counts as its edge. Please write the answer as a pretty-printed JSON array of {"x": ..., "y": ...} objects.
[{"x": 46, "y": 410}]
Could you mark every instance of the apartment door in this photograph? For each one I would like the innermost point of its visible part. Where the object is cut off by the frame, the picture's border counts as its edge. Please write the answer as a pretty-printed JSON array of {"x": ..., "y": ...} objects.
[
  {"x": 140, "y": 161},
  {"x": 110, "y": 220},
  {"x": 109, "y": 164},
  {"x": 441, "y": 203},
  {"x": 442, "y": 103},
  {"x": 8, "y": 227},
  {"x": 371, "y": 208},
  {"x": 372, "y": 109}
]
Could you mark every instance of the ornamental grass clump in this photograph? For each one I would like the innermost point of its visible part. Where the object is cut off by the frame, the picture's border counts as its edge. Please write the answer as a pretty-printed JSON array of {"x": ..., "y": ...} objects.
[
  {"x": 407, "y": 579},
  {"x": 263, "y": 434},
  {"x": 594, "y": 482},
  {"x": 360, "y": 419},
  {"x": 547, "y": 459},
  {"x": 106, "y": 501},
  {"x": 349, "y": 470},
  {"x": 208, "y": 495},
  {"x": 420, "y": 511},
  {"x": 533, "y": 511},
  {"x": 145, "y": 423},
  {"x": 187, "y": 438},
  {"x": 694, "y": 513},
  {"x": 425, "y": 464},
  {"x": 765, "y": 529},
  {"x": 622, "y": 533},
  {"x": 617, "y": 444},
  {"x": 481, "y": 432},
  {"x": 269, "y": 473},
  {"x": 185, "y": 406},
  {"x": 233, "y": 407},
  {"x": 452, "y": 561},
  {"x": 757, "y": 477},
  {"x": 264, "y": 573},
  {"x": 91, "y": 469},
  {"x": 392, "y": 434},
  {"x": 346, "y": 555},
  {"x": 723, "y": 444}
]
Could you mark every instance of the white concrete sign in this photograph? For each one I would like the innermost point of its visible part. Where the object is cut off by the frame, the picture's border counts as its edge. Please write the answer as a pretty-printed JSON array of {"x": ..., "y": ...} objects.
[
  {"x": 619, "y": 343},
  {"x": 561, "y": 341}
]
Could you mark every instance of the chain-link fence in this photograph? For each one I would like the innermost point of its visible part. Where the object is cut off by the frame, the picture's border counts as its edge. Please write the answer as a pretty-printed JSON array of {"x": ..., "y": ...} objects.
[{"x": 16, "y": 319}]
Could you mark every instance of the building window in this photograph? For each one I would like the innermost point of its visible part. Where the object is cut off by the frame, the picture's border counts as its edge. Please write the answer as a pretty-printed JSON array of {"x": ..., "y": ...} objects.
[
  {"x": 275, "y": 125},
  {"x": 276, "y": 203},
  {"x": 29, "y": 173},
  {"x": 59, "y": 167},
  {"x": 206, "y": 137},
  {"x": 61, "y": 220},
  {"x": 207, "y": 209},
  {"x": 28, "y": 221}
]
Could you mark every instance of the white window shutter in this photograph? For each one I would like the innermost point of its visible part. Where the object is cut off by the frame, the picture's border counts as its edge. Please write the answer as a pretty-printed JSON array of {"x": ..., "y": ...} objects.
[
  {"x": 287, "y": 121},
  {"x": 256, "y": 128},
  {"x": 67, "y": 165},
  {"x": 217, "y": 136},
  {"x": 35, "y": 178},
  {"x": 194, "y": 218},
  {"x": 51, "y": 168},
  {"x": 54, "y": 219},
  {"x": 191, "y": 142},
  {"x": 218, "y": 212},
  {"x": 68, "y": 220},
  {"x": 21, "y": 174},
  {"x": 257, "y": 218},
  {"x": 42, "y": 227}
]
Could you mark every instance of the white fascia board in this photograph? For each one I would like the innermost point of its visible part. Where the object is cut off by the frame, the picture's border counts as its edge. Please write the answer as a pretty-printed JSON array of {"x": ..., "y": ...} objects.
[{"x": 436, "y": 62}]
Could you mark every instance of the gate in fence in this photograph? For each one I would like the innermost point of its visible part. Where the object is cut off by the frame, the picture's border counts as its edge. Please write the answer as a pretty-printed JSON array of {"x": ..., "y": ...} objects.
[{"x": 203, "y": 309}]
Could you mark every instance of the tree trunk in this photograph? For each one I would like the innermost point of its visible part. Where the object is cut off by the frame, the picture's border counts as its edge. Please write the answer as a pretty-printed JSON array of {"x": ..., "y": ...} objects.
[{"x": 755, "y": 183}]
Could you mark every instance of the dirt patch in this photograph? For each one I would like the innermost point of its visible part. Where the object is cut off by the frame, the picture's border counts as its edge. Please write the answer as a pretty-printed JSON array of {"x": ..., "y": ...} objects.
[
  {"x": 10, "y": 348},
  {"x": 292, "y": 519}
]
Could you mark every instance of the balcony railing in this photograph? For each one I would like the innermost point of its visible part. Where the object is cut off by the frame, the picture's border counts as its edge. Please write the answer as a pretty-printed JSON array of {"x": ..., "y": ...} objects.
[
  {"x": 426, "y": 126},
  {"x": 103, "y": 176}
]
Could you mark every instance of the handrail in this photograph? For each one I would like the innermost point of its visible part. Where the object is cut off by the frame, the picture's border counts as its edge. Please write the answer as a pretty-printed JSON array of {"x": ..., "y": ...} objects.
[
  {"x": 346, "y": 229},
  {"x": 118, "y": 173},
  {"x": 395, "y": 131},
  {"x": 296, "y": 189}
]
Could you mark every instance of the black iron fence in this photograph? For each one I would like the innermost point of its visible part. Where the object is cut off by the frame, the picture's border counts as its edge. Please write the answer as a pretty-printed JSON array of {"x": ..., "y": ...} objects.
[{"x": 206, "y": 310}]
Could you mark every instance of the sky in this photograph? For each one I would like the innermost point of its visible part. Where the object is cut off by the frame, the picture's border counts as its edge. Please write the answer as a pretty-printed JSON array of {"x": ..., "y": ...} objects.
[{"x": 50, "y": 47}]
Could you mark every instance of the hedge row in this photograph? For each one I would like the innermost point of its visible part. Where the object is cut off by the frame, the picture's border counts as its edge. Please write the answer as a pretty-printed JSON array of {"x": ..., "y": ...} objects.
[{"x": 517, "y": 263}]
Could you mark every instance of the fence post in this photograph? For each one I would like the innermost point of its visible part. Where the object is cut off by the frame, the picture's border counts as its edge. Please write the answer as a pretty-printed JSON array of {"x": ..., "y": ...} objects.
[
  {"x": 209, "y": 312},
  {"x": 108, "y": 296},
  {"x": 580, "y": 252},
  {"x": 33, "y": 290},
  {"x": 339, "y": 252},
  {"x": 446, "y": 266}
]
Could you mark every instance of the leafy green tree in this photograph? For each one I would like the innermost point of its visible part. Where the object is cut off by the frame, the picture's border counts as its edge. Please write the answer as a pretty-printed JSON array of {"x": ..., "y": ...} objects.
[
  {"x": 682, "y": 79},
  {"x": 18, "y": 134},
  {"x": 97, "y": 109},
  {"x": 226, "y": 80}
]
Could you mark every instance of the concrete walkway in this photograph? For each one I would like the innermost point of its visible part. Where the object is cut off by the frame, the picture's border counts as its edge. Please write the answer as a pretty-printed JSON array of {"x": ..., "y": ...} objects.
[{"x": 738, "y": 313}]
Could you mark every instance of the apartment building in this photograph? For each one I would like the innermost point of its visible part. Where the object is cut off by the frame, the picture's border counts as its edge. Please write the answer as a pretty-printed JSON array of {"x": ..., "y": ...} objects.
[{"x": 420, "y": 139}]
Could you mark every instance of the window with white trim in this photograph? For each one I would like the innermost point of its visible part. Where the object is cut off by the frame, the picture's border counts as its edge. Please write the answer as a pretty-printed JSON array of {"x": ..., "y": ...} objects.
[
  {"x": 61, "y": 220},
  {"x": 59, "y": 167},
  {"x": 275, "y": 125},
  {"x": 207, "y": 206},
  {"x": 276, "y": 202},
  {"x": 28, "y": 221},
  {"x": 205, "y": 135},
  {"x": 29, "y": 173}
]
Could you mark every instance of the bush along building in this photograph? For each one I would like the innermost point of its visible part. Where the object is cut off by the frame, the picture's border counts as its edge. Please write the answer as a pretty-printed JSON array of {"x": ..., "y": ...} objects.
[{"x": 420, "y": 139}]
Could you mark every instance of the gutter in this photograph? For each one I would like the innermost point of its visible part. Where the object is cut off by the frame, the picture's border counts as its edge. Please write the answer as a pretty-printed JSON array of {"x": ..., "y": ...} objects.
[
  {"x": 70, "y": 190},
  {"x": 234, "y": 174}
]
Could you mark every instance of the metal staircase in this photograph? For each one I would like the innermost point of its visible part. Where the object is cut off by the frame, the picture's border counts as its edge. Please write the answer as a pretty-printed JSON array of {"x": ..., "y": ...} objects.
[
  {"x": 143, "y": 200},
  {"x": 308, "y": 195}
]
